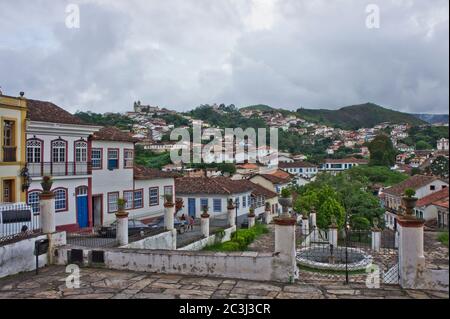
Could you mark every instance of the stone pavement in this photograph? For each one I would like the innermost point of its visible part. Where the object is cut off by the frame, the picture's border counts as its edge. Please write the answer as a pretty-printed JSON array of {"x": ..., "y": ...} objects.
[{"x": 106, "y": 284}]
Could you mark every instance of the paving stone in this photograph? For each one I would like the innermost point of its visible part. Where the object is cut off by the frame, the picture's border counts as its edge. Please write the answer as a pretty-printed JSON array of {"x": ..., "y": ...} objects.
[
  {"x": 257, "y": 285},
  {"x": 417, "y": 294},
  {"x": 245, "y": 291},
  {"x": 350, "y": 292},
  {"x": 141, "y": 284},
  {"x": 104, "y": 284},
  {"x": 153, "y": 296},
  {"x": 163, "y": 285},
  {"x": 301, "y": 289},
  {"x": 188, "y": 292},
  {"x": 91, "y": 296}
]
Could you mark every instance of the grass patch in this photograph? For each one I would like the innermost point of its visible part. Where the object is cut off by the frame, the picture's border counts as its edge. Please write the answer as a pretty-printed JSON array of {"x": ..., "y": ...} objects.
[
  {"x": 330, "y": 272},
  {"x": 240, "y": 240},
  {"x": 443, "y": 238}
]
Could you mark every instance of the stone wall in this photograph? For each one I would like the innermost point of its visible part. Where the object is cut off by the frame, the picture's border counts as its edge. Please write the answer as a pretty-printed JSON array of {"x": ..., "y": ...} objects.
[
  {"x": 242, "y": 265},
  {"x": 211, "y": 240},
  {"x": 19, "y": 256},
  {"x": 163, "y": 241}
]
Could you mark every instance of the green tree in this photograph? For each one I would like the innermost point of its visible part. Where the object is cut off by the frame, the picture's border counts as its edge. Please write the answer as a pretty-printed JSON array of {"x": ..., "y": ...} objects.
[
  {"x": 360, "y": 223},
  {"x": 439, "y": 167},
  {"x": 382, "y": 151},
  {"x": 422, "y": 145},
  {"x": 331, "y": 207}
]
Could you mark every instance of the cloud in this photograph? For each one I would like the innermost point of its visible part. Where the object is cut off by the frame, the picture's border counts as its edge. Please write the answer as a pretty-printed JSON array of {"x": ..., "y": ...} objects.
[{"x": 182, "y": 53}]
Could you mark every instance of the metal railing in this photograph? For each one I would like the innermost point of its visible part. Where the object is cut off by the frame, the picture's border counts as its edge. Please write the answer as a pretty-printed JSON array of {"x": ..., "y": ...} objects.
[
  {"x": 59, "y": 169},
  {"x": 17, "y": 221},
  {"x": 9, "y": 154}
]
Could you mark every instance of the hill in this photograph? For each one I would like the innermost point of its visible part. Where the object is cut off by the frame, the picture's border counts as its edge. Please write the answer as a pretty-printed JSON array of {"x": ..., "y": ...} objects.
[
  {"x": 358, "y": 116},
  {"x": 433, "y": 118}
]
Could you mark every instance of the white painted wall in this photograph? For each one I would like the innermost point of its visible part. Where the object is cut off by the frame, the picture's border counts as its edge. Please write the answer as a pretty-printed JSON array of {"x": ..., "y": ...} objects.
[{"x": 241, "y": 211}]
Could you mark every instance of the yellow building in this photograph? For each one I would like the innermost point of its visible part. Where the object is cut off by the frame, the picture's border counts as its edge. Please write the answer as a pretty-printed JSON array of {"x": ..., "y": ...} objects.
[{"x": 13, "y": 112}]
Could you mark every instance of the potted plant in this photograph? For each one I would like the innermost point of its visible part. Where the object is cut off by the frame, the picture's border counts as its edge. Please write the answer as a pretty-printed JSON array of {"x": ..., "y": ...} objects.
[
  {"x": 286, "y": 199},
  {"x": 409, "y": 200},
  {"x": 251, "y": 212},
  {"x": 46, "y": 184},
  {"x": 168, "y": 200},
  {"x": 205, "y": 212},
  {"x": 121, "y": 202}
]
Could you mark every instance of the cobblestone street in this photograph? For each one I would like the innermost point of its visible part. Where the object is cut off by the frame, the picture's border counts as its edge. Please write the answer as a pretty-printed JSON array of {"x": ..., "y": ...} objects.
[{"x": 106, "y": 284}]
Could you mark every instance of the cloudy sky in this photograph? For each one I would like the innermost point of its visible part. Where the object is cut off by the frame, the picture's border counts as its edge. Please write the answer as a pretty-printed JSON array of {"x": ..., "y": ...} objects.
[{"x": 183, "y": 53}]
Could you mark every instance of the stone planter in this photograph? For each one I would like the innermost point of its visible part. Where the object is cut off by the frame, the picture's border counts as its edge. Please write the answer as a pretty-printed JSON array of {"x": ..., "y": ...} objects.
[
  {"x": 122, "y": 214},
  {"x": 46, "y": 184},
  {"x": 410, "y": 204},
  {"x": 285, "y": 201}
]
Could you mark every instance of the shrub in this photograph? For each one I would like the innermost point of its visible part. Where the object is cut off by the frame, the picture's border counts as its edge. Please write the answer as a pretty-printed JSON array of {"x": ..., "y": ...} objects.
[
  {"x": 443, "y": 238},
  {"x": 230, "y": 246},
  {"x": 410, "y": 193},
  {"x": 285, "y": 193}
]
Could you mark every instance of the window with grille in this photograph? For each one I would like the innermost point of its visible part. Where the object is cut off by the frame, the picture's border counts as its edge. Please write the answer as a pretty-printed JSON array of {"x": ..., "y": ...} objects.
[
  {"x": 60, "y": 199},
  {"x": 81, "y": 151},
  {"x": 128, "y": 196},
  {"x": 34, "y": 151},
  {"x": 112, "y": 202},
  {"x": 33, "y": 201},
  {"x": 138, "y": 199},
  {"x": 113, "y": 159},
  {"x": 217, "y": 205},
  {"x": 154, "y": 196},
  {"x": 128, "y": 158},
  {"x": 96, "y": 158},
  {"x": 59, "y": 151}
]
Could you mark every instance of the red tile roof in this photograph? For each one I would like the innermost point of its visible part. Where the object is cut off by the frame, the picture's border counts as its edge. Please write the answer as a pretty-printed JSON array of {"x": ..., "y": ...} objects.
[
  {"x": 145, "y": 173},
  {"x": 442, "y": 203},
  {"x": 113, "y": 134},
  {"x": 258, "y": 190},
  {"x": 434, "y": 197},
  {"x": 414, "y": 182},
  {"x": 42, "y": 111},
  {"x": 213, "y": 186},
  {"x": 275, "y": 179}
]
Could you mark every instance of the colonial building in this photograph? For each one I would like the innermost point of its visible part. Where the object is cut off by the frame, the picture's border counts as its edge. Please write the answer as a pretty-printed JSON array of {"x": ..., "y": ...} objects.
[
  {"x": 423, "y": 186},
  {"x": 425, "y": 207},
  {"x": 302, "y": 169},
  {"x": 213, "y": 193},
  {"x": 338, "y": 165},
  {"x": 58, "y": 145},
  {"x": 114, "y": 176},
  {"x": 12, "y": 149},
  {"x": 273, "y": 182}
]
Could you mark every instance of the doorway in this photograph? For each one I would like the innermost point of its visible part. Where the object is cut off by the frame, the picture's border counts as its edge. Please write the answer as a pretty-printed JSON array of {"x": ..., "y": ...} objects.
[
  {"x": 8, "y": 191},
  {"x": 82, "y": 207},
  {"x": 191, "y": 207},
  {"x": 97, "y": 210}
]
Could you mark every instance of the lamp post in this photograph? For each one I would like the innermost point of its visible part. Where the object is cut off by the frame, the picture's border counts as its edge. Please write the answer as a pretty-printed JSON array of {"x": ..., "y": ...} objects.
[
  {"x": 347, "y": 229},
  {"x": 236, "y": 216}
]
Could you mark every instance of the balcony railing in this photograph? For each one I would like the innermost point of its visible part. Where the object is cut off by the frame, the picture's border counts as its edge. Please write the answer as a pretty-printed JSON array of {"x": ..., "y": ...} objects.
[
  {"x": 59, "y": 169},
  {"x": 9, "y": 153}
]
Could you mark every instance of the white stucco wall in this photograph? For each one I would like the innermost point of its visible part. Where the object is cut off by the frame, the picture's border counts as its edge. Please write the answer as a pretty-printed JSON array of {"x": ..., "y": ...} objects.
[
  {"x": 239, "y": 265},
  {"x": 198, "y": 208},
  {"x": 119, "y": 180},
  {"x": 19, "y": 256},
  {"x": 163, "y": 241}
]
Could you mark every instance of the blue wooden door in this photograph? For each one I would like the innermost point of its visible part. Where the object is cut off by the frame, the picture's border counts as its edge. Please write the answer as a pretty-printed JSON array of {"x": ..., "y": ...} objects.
[
  {"x": 82, "y": 207},
  {"x": 191, "y": 206}
]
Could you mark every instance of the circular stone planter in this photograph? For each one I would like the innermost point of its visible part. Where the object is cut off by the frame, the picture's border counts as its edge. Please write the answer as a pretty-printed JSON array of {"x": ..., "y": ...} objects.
[{"x": 319, "y": 257}]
